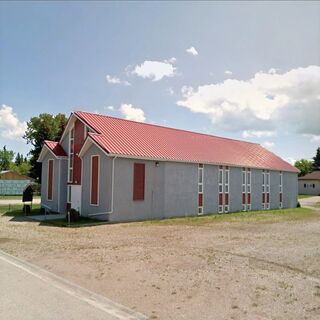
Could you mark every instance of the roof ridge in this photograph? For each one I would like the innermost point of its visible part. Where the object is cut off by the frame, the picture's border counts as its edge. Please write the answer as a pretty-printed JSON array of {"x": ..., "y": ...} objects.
[{"x": 170, "y": 128}]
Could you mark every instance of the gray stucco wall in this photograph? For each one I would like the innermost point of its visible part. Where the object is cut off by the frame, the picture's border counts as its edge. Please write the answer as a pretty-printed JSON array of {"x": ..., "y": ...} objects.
[
  {"x": 65, "y": 143},
  {"x": 180, "y": 189},
  {"x": 306, "y": 187},
  {"x": 125, "y": 208},
  {"x": 59, "y": 196},
  {"x": 210, "y": 188},
  {"x": 171, "y": 189},
  {"x": 290, "y": 189}
]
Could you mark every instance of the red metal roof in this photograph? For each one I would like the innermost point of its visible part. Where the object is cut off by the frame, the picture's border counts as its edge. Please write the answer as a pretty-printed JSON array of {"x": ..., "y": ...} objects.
[
  {"x": 56, "y": 148},
  {"x": 315, "y": 175},
  {"x": 141, "y": 140}
]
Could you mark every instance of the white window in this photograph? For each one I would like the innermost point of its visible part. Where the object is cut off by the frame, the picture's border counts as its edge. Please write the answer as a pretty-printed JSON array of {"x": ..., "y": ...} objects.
[
  {"x": 243, "y": 180},
  {"x": 71, "y": 155},
  {"x": 220, "y": 180},
  {"x": 226, "y": 181},
  {"x": 200, "y": 188},
  {"x": 224, "y": 187},
  {"x": 249, "y": 181},
  {"x": 268, "y": 181}
]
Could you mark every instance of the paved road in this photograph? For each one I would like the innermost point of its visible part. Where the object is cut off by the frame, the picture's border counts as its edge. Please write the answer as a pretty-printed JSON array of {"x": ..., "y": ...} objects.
[
  {"x": 310, "y": 202},
  {"x": 29, "y": 292},
  {"x": 17, "y": 201}
]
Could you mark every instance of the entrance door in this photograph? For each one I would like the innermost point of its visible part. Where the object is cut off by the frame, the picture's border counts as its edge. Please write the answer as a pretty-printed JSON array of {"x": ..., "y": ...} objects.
[{"x": 76, "y": 197}]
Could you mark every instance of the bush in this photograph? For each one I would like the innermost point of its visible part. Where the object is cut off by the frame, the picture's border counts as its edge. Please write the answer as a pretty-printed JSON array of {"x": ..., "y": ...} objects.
[
  {"x": 74, "y": 215},
  {"x": 298, "y": 205}
]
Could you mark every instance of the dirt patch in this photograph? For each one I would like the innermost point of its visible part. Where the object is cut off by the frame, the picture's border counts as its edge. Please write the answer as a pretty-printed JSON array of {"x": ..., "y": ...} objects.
[{"x": 213, "y": 271}]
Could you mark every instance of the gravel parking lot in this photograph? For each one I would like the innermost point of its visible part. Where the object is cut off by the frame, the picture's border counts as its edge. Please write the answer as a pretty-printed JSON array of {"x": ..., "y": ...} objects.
[{"x": 218, "y": 270}]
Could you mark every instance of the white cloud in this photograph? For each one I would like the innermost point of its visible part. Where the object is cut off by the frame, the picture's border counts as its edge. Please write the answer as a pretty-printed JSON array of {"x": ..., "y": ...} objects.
[
  {"x": 273, "y": 70},
  {"x": 10, "y": 126},
  {"x": 268, "y": 100},
  {"x": 171, "y": 60},
  {"x": 155, "y": 70},
  {"x": 268, "y": 144},
  {"x": 111, "y": 108},
  {"x": 192, "y": 50},
  {"x": 115, "y": 80},
  {"x": 132, "y": 113},
  {"x": 290, "y": 160},
  {"x": 257, "y": 134},
  {"x": 228, "y": 72},
  {"x": 312, "y": 137},
  {"x": 170, "y": 91}
]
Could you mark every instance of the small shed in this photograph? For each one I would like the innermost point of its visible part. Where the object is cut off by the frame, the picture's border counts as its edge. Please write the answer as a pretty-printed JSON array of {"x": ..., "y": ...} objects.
[
  {"x": 13, "y": 183},
  {"x": 310, "y": 183}
]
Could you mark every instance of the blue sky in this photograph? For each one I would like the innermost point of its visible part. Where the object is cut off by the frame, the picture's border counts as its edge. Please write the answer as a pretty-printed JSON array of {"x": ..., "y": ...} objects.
[{"x": 253, "y": 72}]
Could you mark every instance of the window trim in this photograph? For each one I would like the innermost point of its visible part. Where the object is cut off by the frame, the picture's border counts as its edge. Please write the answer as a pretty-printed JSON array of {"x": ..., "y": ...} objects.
[
  {"x": 98, "y": 181},
  {"x": 52, "y": 180},
  {"x": 70, "y": 163},
  {"x": 200, "y": 184}
]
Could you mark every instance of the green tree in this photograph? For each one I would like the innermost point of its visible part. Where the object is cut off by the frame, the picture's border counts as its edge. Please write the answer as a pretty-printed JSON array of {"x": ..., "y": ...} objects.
[
  {"x": 19, "y": 159},
  {"x": 6, "y": 157},
  {"x": 305, "y": 166},
  {"x": 43, "y": 127},
  {"x": 23, "y": 168},
  {"x": 316, "y": 160}
]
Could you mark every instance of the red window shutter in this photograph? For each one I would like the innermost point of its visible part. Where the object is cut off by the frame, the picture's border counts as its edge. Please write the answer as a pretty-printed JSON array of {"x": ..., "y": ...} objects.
[
  {"x": 200, "y": 199},
  {"x": 243, "y": 198},
  {"x": 263, "y": 198},
  {"x": 249, "y": 198},
  {"x": 220, "y": 199},
  {"x": 226, "y": 198},
  {"x": 50, "y": 179},
  {"x": 138, "y": 181},
  {"x": 94, "y": 179},
  {"x": 268, "y": 197}
]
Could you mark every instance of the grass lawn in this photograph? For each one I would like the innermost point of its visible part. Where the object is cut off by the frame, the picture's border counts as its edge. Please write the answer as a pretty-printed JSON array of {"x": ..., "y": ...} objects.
[
  {"x": 13, "y": 210},
  {"x": 82, "y": 222},
  {"x": 270, "y": 216},
  {"x": 15, "y": 197},
  {"x": 303, "y": 196}
]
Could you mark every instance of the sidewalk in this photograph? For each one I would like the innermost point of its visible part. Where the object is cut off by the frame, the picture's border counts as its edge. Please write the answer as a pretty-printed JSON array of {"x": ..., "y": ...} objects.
[{"x": 29, "y": 292}]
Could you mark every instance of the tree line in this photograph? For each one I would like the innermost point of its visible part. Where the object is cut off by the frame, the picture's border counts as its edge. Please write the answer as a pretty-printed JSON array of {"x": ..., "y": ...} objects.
[
  {"x": 43, "y": 127},
  {"x": 306, "y": 166},
  {"x": 50, "y": 127}
]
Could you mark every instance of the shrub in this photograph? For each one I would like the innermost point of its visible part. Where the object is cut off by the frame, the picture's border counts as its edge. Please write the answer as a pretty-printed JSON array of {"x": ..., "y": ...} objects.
[
  {"x": 298, "y": 205},
  {"x": 74, "y": 215}
]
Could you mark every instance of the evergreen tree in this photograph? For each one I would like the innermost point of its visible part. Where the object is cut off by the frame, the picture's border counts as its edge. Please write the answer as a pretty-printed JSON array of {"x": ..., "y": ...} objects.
[
  {"x": 6, "y": 157},
  {"x": 316, "y": 160}
]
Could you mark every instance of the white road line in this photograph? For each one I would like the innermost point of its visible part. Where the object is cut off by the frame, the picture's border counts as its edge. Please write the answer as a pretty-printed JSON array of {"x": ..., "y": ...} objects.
[{"x": 112, "y": 308}]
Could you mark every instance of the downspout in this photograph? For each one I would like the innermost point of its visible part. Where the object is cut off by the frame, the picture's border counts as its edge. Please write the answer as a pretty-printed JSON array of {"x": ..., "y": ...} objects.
[
  {"x": 112, "y": 193},
  {"x": 59, "y": 185}
]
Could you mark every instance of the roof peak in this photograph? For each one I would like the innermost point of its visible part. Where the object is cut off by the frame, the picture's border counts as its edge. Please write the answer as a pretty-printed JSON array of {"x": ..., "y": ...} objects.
[{"x": 161, "y": 126}]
